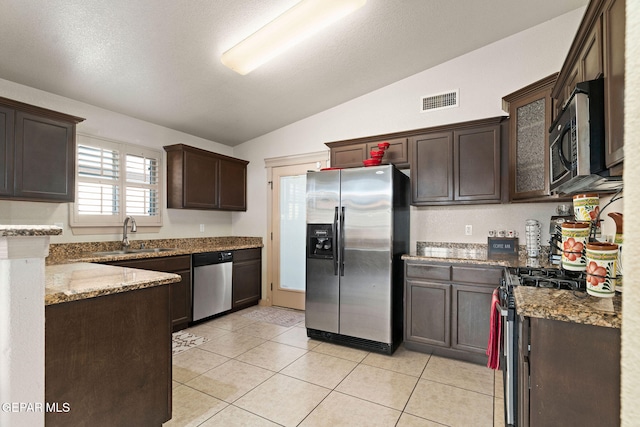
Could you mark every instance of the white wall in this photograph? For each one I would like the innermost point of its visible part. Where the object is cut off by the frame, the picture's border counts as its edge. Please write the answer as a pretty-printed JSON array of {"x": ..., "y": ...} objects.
[
  {"x": 630, "y": 411},
  {"x": 107, "y": 124},
  {"x": 483, "y": 77}
]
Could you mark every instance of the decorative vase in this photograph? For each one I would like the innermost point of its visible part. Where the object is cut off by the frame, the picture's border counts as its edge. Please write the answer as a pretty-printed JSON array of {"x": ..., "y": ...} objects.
[
  {"x": 574, "y": 239},
  {"x": 586, "y": 207},
  {"x": 602, "y": 269}
]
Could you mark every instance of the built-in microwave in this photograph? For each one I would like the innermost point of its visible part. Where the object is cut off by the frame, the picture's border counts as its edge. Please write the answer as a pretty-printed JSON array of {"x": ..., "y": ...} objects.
[{"x": 577, "y": 143}]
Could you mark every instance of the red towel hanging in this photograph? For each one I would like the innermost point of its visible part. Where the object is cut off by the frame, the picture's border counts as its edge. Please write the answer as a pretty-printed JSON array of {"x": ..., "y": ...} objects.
[{"x": 495, "y": 333}]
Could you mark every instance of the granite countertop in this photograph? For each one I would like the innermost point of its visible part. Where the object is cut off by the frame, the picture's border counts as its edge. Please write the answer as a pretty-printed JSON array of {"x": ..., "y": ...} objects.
[
  {"x": 462, "y": 256},
  {"x": 568, "y": 306},
  {"x": 77, "y": 281},
  {"x": 474, "y": 253},
  {"x": 29, "y": 230},
  {"x": 70, "y": 272},
  {"x": 86, "y": 252}
]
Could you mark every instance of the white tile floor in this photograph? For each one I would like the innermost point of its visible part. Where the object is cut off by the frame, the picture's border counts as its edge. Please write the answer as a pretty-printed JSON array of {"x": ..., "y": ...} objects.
[{"x": 259, "y": 374}]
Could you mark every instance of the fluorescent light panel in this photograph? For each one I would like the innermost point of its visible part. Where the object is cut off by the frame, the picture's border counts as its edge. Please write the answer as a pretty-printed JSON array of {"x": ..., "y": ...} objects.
[{"x": 296, "y": 24}]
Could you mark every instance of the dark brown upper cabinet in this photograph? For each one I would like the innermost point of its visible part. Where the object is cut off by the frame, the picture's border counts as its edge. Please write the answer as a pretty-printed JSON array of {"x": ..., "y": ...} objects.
[
  {"x": 530, "y": 110},
  {"x": 351, "y": 153},
  {"x": 614, "y": 48},
  {"x": 37, "y": 153},
  {"x": 598, "y": 51},
  {"x": 200, "y": 179},
  {"x": 457, "y": 164}
]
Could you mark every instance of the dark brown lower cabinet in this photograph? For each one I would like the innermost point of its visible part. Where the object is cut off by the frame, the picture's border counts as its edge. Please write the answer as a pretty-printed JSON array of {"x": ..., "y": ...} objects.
[
  {"x": 574, "y": 374},
  {"x": 109, "y": 359},
  {"x": 246, "y": 278},
  {"x": 448, "y": 308},
  {"x": 180, "y": 291}
]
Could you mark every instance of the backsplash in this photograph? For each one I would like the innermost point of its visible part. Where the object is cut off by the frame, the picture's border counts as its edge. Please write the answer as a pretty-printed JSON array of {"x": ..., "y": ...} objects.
[{"x": 467, "y": 250}]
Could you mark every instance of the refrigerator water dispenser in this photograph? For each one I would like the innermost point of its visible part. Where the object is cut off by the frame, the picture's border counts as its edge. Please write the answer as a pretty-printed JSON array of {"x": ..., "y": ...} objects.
[{"x": 320, "y": 241}]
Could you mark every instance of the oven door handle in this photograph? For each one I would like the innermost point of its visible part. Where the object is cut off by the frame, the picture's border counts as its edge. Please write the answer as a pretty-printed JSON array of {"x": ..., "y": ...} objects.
[{"x": 503, "y": 311}]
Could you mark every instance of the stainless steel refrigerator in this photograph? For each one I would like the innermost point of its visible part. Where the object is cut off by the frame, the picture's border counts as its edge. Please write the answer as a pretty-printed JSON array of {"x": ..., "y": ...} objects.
[{"x": 357, "y": 230}]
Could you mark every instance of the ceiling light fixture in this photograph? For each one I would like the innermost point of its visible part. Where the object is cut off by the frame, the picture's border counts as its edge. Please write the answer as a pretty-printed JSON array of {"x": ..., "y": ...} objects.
[{"x": 296, "y": 24}]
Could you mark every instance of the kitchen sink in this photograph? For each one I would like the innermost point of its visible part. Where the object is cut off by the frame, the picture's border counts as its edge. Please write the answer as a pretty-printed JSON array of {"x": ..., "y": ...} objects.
[{"x": 133, "y": 251}]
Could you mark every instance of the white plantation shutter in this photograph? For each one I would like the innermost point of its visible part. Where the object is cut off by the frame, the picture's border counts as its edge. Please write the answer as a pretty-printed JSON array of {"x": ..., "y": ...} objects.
[
  {"x": 115, "y": 180},
  {"x": 141, "y": 185},
  {"x": 98, "y": 181}
]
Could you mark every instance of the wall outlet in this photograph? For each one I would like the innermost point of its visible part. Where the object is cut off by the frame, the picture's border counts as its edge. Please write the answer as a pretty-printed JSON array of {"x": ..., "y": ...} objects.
[
  {"x": 468, "y": 230},
  {"x": 202, "y": 228}
]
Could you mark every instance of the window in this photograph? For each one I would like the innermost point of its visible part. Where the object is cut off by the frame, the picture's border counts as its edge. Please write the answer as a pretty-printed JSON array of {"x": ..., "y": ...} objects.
[{"x": 115, "y": 180}]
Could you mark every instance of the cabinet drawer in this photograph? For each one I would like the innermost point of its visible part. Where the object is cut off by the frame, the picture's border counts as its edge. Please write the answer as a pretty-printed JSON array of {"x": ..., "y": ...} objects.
[
  {"x": 477, "y": 275},
  {"x": 246, "y": 254},
  {"x": 431, "y": 272},
  {"x": 167, "y": 264}
]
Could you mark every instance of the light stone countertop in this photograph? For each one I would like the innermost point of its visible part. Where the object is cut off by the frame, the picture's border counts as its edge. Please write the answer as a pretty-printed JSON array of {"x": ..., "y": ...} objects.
[
  {"x": 76, "y": 281},
  {"x": 472, "y": 253},
  {"x": 70, "y": 274},
  {"x": 29, "y": 230},
  {"x": 553, "y": 304},
  {"x": 85, "y": 251},
  {"x": 568, "y": 306}
]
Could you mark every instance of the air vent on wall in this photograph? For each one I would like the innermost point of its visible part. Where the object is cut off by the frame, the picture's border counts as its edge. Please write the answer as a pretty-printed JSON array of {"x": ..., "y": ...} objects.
[{"x": 439, "y": 101}]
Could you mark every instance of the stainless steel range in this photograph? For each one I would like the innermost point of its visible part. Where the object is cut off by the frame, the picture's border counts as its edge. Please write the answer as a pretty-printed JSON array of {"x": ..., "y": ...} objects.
[{"x": 515, "y": 387}]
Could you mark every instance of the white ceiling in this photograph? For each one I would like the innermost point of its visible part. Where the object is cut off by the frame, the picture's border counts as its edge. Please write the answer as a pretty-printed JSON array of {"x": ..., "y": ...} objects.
[{"x": 159, "y": 60}]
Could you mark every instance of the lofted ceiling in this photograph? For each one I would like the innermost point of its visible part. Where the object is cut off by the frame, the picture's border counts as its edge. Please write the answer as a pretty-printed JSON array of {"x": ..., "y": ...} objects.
[{"x": 159, "y": 60}]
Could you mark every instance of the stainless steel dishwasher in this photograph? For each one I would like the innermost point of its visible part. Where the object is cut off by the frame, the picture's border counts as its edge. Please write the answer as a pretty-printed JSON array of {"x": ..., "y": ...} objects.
[{"x": 211, "y": 284}]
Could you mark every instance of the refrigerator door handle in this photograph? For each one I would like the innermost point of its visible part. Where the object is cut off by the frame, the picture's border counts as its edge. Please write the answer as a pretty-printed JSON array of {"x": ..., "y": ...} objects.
[
  {"x": 342, "y": 242},
  {"x": 334, "y": 249}
]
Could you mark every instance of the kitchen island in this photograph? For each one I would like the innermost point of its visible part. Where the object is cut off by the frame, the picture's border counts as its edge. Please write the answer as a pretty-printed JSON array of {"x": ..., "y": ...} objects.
[{"x": 107, "y": 345}]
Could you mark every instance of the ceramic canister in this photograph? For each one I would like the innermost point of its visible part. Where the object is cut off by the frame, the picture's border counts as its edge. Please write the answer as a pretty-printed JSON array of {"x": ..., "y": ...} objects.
[
  {"x": 586, "y": 207},
  {"x": 602, "y": 259},
  {"x": 574, "y": 238}
]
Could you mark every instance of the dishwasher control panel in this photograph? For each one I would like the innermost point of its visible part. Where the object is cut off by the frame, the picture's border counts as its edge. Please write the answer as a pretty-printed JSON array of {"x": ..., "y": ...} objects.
[{"x": 208, "y": 258}]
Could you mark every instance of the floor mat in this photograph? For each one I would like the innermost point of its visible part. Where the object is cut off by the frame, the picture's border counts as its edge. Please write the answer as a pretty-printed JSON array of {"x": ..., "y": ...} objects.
[
  {"x": 182, "y": 341},
  {"x": 277, "y": 316}
]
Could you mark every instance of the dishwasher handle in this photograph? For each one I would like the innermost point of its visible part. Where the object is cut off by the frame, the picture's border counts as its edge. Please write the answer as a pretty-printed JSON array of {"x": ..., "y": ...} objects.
[{"x": 209, "y": 258}]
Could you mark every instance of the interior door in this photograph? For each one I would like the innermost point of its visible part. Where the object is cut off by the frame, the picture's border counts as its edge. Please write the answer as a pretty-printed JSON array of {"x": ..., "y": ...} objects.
[{"x": 289, "y": 234}]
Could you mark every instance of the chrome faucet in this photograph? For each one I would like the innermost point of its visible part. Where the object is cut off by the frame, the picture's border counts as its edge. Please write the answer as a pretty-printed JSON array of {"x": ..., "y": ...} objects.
[{"x": 134, "y": 228}]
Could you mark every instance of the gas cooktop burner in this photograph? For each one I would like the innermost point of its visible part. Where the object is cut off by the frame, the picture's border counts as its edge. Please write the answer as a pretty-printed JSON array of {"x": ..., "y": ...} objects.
[{"x": 549, "y": 278}]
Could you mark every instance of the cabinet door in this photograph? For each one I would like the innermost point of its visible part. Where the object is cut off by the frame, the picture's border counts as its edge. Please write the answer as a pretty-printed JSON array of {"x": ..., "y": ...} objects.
[
  {"x": 591, "y": 54},
  {"x": 181, "y": 302},
  {"x": 432, "y": 168},
  {"x": 6, "y": 150},
  {"x": 200, "y": 181},
  {"x": 349, "y": 156},
  {"x": 44, "y": 158},
  {"x": 614, "y": 47},
  {"x": 246, "y": 278},
  {"x": 233, "y": 185},
  {"x": 470, "y": 317},
  {"x": 477, "y": 164},
  {"x": 529, "y": 146},
  {"x": 428, "y": 313},
  {"x": 397, "y": 153}
]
